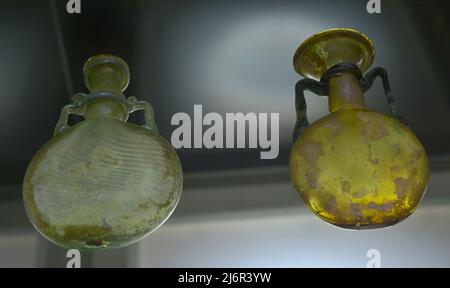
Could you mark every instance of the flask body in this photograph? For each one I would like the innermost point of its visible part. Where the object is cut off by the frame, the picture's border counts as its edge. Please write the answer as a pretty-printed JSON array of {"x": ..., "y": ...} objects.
[
  {"x": 359, "y": 169},
  {"x": 102, "y": 183}
]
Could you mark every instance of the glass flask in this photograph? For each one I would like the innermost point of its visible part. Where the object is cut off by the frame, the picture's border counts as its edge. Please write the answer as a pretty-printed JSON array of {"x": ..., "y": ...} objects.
[
  {"x": 355, "y": 168},
  {"x": 104, "y": 182}
]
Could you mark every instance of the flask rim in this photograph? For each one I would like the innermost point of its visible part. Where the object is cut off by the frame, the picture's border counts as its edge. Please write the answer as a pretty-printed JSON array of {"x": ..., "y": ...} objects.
[{"x": 362, "y": 52}]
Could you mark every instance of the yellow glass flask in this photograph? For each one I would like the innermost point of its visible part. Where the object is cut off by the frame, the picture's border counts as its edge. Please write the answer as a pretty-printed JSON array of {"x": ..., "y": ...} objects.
[
  {"x": 104, "y": 182},
  {"x": 355, "y": 168}
]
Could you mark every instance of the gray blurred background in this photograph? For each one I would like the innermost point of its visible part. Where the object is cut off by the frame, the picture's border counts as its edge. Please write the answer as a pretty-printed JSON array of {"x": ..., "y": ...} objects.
[{"x": 230, "y": 56}]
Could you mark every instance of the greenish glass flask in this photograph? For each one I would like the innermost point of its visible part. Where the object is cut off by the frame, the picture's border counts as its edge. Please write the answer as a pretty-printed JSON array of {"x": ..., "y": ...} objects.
[{"x": 103, "y": 182}]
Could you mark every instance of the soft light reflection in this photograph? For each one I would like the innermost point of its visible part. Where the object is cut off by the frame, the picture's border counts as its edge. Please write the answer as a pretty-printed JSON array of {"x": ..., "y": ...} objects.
[
  {"x": 237, "y": 57},
  {"x": 292, "y": 239},
  {"x": 251, "y": 64}
]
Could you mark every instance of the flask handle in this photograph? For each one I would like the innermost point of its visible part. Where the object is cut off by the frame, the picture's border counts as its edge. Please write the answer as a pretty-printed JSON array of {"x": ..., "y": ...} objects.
[
  {"x": 320, "y": 88},
  {"x": 78, "y": 107},
  {"x": 149, "y": 114}
]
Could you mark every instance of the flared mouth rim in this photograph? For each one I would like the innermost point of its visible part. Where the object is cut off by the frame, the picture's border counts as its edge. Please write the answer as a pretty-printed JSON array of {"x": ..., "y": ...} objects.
[
  {"x": 318, "y": 37},
  {"x": 107, "y": 59}
]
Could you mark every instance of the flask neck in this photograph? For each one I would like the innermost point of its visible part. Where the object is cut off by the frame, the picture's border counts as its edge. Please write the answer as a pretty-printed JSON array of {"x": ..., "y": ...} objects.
[
  {"x": 106, "y": 78},
  {"x": 107, "y": 108},
  {"x": 344, "y": 92}
]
